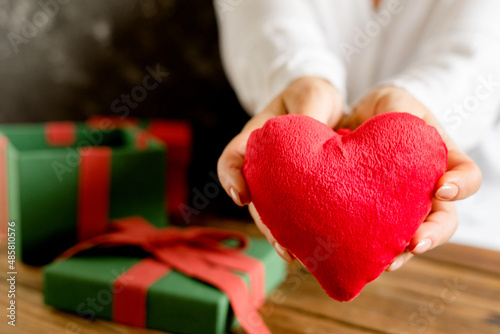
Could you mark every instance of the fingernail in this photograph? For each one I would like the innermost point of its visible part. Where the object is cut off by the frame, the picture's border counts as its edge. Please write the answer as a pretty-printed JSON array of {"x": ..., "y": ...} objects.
[
  {"x": 235, "y": 196},
  {"x": 422, "y": 246},
  {"x": 448, "y": 191},
  {"x": 396, "y": 264},
  {"x": 282, "y": 252}
]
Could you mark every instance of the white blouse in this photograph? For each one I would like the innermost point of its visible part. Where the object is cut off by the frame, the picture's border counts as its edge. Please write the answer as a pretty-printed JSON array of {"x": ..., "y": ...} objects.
[{"x": 446, "y": 53}]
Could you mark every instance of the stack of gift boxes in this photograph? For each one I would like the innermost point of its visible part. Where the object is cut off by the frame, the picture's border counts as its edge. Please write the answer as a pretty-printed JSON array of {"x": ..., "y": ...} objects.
[{"x": 95, "y": 196}]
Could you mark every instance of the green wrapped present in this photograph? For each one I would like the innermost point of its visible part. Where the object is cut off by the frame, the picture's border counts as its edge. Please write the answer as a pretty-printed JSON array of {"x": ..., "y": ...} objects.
[
  {"x": 191, "y": 280},
  {"x": 177, "y": 135},
  {"x": 61, "y": 182}
]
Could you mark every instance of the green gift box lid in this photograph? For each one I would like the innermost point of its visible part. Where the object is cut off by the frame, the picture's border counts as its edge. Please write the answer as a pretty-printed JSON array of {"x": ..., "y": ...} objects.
[
  {"x": 175, "y": 303},
  {"x": 42, "y": 183}
]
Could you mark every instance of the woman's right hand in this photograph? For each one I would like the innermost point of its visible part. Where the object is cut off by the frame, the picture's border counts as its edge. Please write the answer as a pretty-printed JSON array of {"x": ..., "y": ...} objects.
[{"x": 309, "y": 96}]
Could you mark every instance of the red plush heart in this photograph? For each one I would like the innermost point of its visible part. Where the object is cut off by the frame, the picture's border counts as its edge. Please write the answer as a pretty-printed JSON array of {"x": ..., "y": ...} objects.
[{"x": 345, "y": 204}]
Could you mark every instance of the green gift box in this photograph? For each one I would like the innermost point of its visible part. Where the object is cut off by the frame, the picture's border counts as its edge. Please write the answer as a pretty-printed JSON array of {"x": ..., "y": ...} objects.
[
  {"x": 178, "y": 137},
  {"x": 61, "y": 182},
  {"x": 86, "y": 285}
]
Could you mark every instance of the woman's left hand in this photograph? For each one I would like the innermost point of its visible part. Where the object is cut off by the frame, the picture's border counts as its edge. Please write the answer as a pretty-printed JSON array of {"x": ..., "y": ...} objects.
[{"x": 461, "y": 179}]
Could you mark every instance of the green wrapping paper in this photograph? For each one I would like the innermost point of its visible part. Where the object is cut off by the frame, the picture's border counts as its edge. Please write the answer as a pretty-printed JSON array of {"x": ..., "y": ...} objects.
[
  {"x": 43, "y": 184},
  {"x": 178, "y": 137},
  {"x": 175, "y": 303}
]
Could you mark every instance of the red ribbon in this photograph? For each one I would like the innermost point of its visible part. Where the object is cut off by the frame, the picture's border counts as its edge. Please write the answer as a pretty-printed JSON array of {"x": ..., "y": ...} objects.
[
  {"x": 102, "y": 122},
  {"x": 197, "y": 252},
  {"x": 93, "y": 191},
  {"x": 141, "y": 140},
  {"x": 131, "y": 289},
  {"x": 142, "y": 137},
  {"x": 4, "y": 205},
  {"x": 93, "y": 185},
  {"x": 178, "y": 137},
  {"x": 93, "y": 180},
  {"x": 60, "y": 133}
]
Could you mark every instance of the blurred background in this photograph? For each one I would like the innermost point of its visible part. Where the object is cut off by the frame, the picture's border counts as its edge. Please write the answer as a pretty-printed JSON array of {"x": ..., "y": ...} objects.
[{"x": 70, "y": 60}]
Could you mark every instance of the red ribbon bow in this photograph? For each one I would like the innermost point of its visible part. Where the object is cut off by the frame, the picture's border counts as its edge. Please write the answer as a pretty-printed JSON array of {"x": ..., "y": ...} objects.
[{"x": 197, "y": 252}]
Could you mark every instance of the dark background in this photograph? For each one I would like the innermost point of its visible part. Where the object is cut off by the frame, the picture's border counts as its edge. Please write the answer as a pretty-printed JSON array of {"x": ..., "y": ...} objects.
[{"x": 71, "y": 59}]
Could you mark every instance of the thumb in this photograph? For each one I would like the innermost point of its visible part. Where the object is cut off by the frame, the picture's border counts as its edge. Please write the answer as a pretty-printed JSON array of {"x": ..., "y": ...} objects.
[
  {"x": 319, "y": 100},
  {"x": 229, "y": 169},
  {"x": 361, "y": 111},
  {"x": 230, "y": 164}
]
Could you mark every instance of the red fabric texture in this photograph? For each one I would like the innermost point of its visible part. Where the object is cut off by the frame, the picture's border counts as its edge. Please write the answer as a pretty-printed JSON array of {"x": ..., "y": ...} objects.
[
  {"x": 345, "y": 204},
  {"x": 60, "y": 133},
  {"x": 196, "y": 252},
  {"x": 93, "y": 191}
]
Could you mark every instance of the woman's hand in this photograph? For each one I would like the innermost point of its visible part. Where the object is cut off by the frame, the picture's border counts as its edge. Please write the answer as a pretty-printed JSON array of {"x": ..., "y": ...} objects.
[
  {"x": 461, "y": 179},
  {"x": 309, "y": 96}
]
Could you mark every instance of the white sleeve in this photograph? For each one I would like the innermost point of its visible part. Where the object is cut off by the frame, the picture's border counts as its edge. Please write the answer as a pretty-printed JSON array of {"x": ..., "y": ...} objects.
[
  {"x": 455, "y": 71},
  {"x": 266, "y": 44}
]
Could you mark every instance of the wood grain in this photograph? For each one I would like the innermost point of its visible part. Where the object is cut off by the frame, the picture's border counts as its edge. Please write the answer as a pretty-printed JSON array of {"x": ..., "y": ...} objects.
[{"x": 452, "y": 289}]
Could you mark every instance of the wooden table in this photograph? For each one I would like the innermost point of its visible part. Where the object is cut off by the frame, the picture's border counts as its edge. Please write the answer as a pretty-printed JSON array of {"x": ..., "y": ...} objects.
[{"x": 452, "y": 289}]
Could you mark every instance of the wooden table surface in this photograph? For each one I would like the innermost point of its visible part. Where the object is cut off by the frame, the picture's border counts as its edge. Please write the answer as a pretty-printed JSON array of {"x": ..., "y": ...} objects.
[{"x": 452, "y": 289}]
